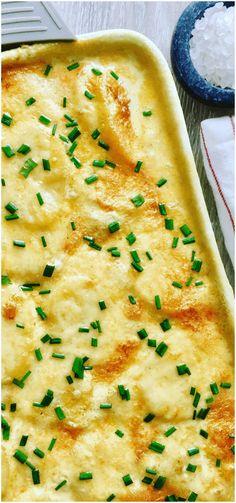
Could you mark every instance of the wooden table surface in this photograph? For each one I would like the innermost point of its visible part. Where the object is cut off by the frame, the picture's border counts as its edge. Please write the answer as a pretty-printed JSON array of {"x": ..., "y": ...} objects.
[{"x": 156, "y": 20}]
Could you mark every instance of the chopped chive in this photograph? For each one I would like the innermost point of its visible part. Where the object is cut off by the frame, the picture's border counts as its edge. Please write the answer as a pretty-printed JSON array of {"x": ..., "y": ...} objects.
[
  {"x": 60, "y": 414},
  {"x": 225, "y": 385},
  {"x": 94, "y": 245},
  {"x": 20, "y": 456},
  {"x": 76, "y": 161},
  {"x": 20, "y": 325},
  {"x": 38, "y": 354},
  {"x": 44, "y": 120},
  {"x": 152, "y": 343},
  {"x": 114, "y": 75},
  {"x": 161, "y": 182},
  {"x": 111, "y": 497},
  {"x": 193, "y": 450},
  {"x": 72, "y": 124},
  {"x": 170, "y": 431},
  {"x": 44, "y": 292},
  {"x": 127, "y": 479},
  {"x": 232, "y": 449},
  {"x": 203, "y": 413},
  {"x": 47, "y": 70},
  {"x": 83, "y": 329},
  {"x": 21, "y": 382},
  {"x": 156, "y": 447},
  {"x": 89, "y": 95},
  {"x": 157, "y": 302},
  {"x": 196, "y": 399},
  {"x": 64, "y": 102},
  {"x": 6, "y": 280},
  {"x": 40, "y": 199},
  {"x": 44, "y": 243},
  {"x": 54, "y": 128},
  {"x": 161, "y": 348},
  {"x": 3, "y": 182},
  {"x": 24, "y": 149},
  {"x": 135, "y": 256},
  {"x": 162, "y": 209},
  {"x": 197, "y": 264},
  {"x": 19, "y": 243},
  {"x": 142, "y": 334},
  {"x": 138, "y": 166},
  {"x": 6, "y": 433},
  {"x": 165, "y": 325},
  {"x": 136, "y": 266},
  {"x": 199, "y": 283},
  {"x": 8, "y": 151},
  {"x": 63, "y": 138},
  {"x": 149, "y": 417},
  {"x": 85, "y": 476},
  {"x": 175, "y": 242},
  {"x": 6, "y": 119},
  {"x": 46, "y": 165},
  {"x": 3, "y": 406},
  {"x": 91, "y": 179},
  {"x": 58, "y": 355},
  {"x": 13, "y": 407},
  {"x": 39, "y": 453},
  {"x": 138, "y": 200},
  {"x": 48, "y": 270},
  {"x": 113, "y": 226},
  {"x": 147, "y": 480},
  {"x": 124, "y": 392},
  {"x": 62, "y": 483},
  {"x": 11, "y": 217},
  {"x": 183, "y": 369},
  {"x": 23, "y": 440},
  {"x": 73, "y": 226},
  {"x": 191, "y": 468},
  {"x": 169, "y": 224},
  {"x": 111, "y": 164},
  {"x": 132, "y": 299},
  {"x": 160, "y": 482},
  {"x": 147, "y": 113},
  {"x": 69, "y": 379},
  {"x": 218, "y": 463},
  {"x": 73, "y": 66},
  {"x": 74, "y": 134},
  {"x": 30, "y": 101},
  {"x": 185, "y": 230},
  {"x": 131, "y": 238},
  {"x": 52, "y": 443},
  {"x": 188, "y": 283},
  {"x": 94, "y": 342},
  {"x": 29, "y": 165},
  {"x": 105, "y": 406},
  {"x": 115, "y": 253},
  {"x": 214, "y": 388},
  {"x": 41, "y": 313},
  {"x": 95, "y": 134},
  {"x": 36, "y": 476},
  {"x": 176, "y": 284},
  {"x": 98, "y": 163},
  {"x": 104, "y": 145},
  {"x": 203, "y": 433},
  {"x": 45, "y": 338},
  {"x": 151, "y": 471},
  {"x": 189, "y": 240},
  {"x": 119, "y": 433},
  {"x": 96, "y": 71},
  {"x": 193, "y": 496},
  {"x": 102, "y": 304},
  {"x": 78, "y": 367}
]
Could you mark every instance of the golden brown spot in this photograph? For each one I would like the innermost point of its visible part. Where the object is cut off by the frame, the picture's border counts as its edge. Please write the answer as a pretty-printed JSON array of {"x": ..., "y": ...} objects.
[
  {"x": 220, "y": 425},
  {"x": 149, "y": 494},
  {"x": 119, "y": 361},
  {"x": 133, "y": 311},
  {"x": 193, "y": 317},
  {"x": 69, "y": 431},
  {"x": 11, "y": 73},
  {"x": 118, "y": 94},
  {"x": 139, "y": 438},
  {"x": 9, "y": 311}
]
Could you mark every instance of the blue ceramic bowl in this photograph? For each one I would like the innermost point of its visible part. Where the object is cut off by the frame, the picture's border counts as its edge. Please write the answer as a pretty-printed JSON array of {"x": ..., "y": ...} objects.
[{"x": 182, "y": 64}]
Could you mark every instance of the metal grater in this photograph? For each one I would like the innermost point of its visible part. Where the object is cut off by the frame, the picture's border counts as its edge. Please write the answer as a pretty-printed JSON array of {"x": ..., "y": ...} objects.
[{"x": 31, "y": 22}]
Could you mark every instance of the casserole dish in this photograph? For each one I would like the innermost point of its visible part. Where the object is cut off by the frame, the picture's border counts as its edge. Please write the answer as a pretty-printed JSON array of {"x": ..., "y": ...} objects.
[{"x": 117, "y": 313}]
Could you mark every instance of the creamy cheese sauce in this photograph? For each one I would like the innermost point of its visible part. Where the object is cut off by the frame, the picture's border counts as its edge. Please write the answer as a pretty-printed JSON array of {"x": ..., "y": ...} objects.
[{"x": 199, "y": 325}]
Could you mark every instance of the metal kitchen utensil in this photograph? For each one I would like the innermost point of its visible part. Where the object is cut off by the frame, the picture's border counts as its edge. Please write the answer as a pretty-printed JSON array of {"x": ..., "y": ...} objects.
[{"x": 31, "y": 22}]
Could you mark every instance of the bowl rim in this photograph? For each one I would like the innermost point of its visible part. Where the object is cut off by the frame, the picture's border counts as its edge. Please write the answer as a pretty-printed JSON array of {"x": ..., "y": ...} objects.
[{"x": 184, "y": 68}]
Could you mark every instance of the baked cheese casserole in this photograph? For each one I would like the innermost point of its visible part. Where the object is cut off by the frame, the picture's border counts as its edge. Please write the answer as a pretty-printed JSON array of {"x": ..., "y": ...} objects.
[{"x": 117, "y": 320}]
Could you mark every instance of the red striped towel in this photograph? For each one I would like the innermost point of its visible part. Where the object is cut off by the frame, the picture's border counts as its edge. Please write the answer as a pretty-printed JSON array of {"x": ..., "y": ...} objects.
[{"x": 217, "y": 143}]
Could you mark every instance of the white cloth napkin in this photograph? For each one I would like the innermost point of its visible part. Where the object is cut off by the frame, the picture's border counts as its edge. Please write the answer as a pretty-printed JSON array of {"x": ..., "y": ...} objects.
[{"x": 217, "y": 144}]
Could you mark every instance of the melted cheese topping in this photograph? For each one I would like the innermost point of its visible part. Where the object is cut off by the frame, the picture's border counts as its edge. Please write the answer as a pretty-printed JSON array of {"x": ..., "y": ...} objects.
[{"x": 199, "y": 316}]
